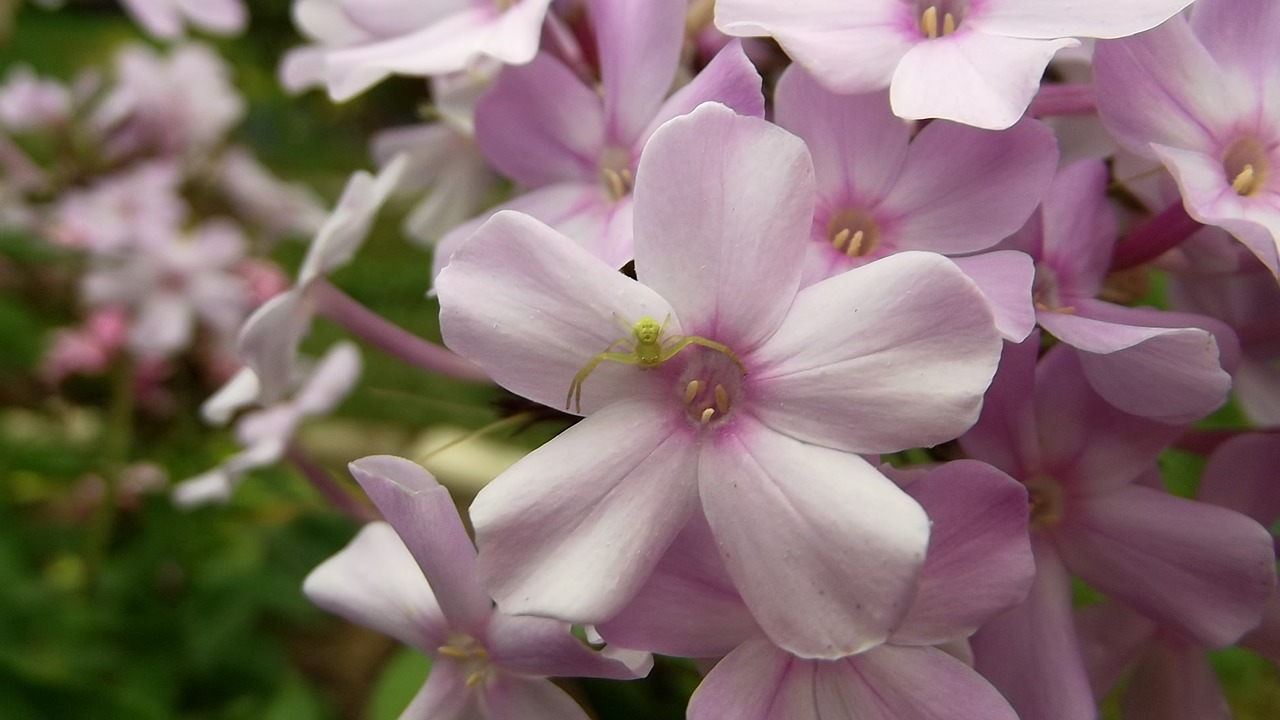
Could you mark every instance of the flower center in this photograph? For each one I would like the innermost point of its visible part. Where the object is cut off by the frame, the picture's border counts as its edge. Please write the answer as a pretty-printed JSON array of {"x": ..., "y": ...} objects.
[
  {"x": 1044, "y": 501},
  {"x": 1245, "y": 163},
  {"x": 853, "y": 232},
  {"x": 1045, "y": 293},
  {"x": 615, "y": 172},
  {"x": 939, "y": 18},
  {"x": 471, "y": 655},
  {"x": 710, "y": 386}
]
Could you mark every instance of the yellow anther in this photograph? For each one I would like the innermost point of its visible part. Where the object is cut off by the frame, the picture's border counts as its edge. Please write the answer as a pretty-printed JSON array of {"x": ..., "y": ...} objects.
[
  {"x": 948, "y": 24},
  {"x": 854, "y": 248},
  {"x": 691, "y": 391},
  {"x": 456, "y": 653},
  {"x": 475, "y": 679},
  {"x": 929, "y": 22},
  {"x": 840, "y": 239},
  {"x": 614, "y": 181},
  {"x": 707, "y": 414},
  {"x": 1245, "y": 183},
  {"x": 722, "y": 400}
]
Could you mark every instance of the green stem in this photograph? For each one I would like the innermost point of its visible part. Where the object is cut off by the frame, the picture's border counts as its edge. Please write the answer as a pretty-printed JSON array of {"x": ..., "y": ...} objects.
[{"x": 116, "y": 441}]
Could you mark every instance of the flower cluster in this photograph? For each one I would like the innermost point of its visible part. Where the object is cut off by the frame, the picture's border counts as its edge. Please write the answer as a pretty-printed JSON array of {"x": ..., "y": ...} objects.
[{"x": 855, "y": 394}]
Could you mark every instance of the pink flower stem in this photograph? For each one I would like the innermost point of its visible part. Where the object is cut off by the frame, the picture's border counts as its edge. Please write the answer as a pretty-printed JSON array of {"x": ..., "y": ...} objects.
[
  {"x": 324, "y": 484},
  {"x": 363, "y": 323},
  {"x": 1161, "y": 234},
  {"x": 1063, "y": 99}
]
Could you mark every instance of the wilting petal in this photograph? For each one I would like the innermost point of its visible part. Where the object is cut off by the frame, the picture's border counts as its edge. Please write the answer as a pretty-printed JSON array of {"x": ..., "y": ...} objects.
[
  {"x": 982, "y": 80},
  {"x": 979, "y": 561},
  {"x": 1005, "y": 278},
  {"x": 532, "y": 308},
  {"x": 1031, "y": 653},
  {"x": 1202, "y": 569},
  {"x": 544, "y": 647},
  {"x": 952, "y": 169},
  {"x": 723, "y": 208},
  {"x": 540, "y": 125},
  {"x": 858, "y": 144},
  {"x": 426, "y": 520},
  {"x": 824, "y": 549},
  {"x": 573, "y": 529},
  {"x": 375, "y": 582},
  {"x": 891, "y": 355},
  {"x": 689, "y": 606}
]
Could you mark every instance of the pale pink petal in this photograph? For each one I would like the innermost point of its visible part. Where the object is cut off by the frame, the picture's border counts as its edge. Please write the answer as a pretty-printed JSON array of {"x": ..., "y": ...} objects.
[
  {"x": 1005, "y": 278},
  {"x": 1241, "y": 36},
  {"x": 375, "y": 582},
  {"x": 532, "y": 308},
  {"x": 639, "y": 42},
  {"x": 573, "y": 529},
  {"x": 824, "y": 549},
  {"x": 1174, "y": 682},
  {"x": 1082, "y": 18},
  {"x": 1202, "y": 569},
  {"x": 1160, "y": 87},
  {"x": 217, "y": 16},
  {"x": 268, "y": 342},
  {"x": 159, "y": 18},
  {"x": 973, "y": 78},
  {"x": 757, "y": 681},
  {"x": 723, "y": 207},
  {"x": 848, "y": 47},
  {"x": 689, "y": 606},
  {"x": 1240, "y": 475},
  {"x": 1112, "y": 637},
  {"x": 891, "y": 355},
  {"x": 445, "y": 695},
  {"x": 512, "y": 696},
  {"x": 729, "y": 79},
  {"x": 1031, "y": 655},
  {"x": 979, "y": 561},
  {"x": 239, "y": 392},
  {"x": 539, "y": 124},
  {"x": 344, "y": 232},
  {"x": 213, "y": 486},
  {"x": 905, "y": 683},
  {"x": 544, "y": 647},
  {"x": 1005, "y": 434},
  {"x": 330, "y": 380},
  {"x": 424, "y": 516},
  {"x": 1078, "y": 230},
  {"x": 858, "y": 144},
  {"x": 1086, "y": 442},
  {"x": 164, "y": 324},
  {"x": 951, "y": 169}
]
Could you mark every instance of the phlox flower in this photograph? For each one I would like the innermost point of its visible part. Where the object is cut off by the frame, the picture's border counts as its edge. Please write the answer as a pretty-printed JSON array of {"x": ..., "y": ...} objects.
[
  {"x": 1201, "y": 95},
  {"x": 978, "y": 564},
  {"x": 279, "y": 208},
  {"x": 265, "y": 433},
  {"x": 165, "y": 18},
  {"x": 575, "y": 148},
  {"x": 756, "y": 422},
  {"x": 28, "y": 102},
  {"x": 882, "y": 191},
  {"x": 413, "y": 577},
  {"x": 140, "y": 205},
  {"x": 977, "y": 62},
  {"x": 1098, "y": 512}
]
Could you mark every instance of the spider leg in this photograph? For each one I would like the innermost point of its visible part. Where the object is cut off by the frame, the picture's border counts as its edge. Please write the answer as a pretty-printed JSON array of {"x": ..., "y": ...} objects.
[
  {"x": 575, "y": 388},
  {"x": 688, "y": 340}
]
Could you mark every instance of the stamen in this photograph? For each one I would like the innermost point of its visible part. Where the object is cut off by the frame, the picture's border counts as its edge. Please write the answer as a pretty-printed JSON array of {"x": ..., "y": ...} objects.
[
  {"x": 707, "y": 414},
  {"x": 948, "y": 24},
  {"x": 616, "y": 186},
  {"x": 855, "y": 244},
  {"x": 840, "y": 239},
  {"x": 456, "y": 653},
  {"x": 475, "y": 679},
  {"x": 1243, "y": 183},
  {"x": 691, "y": 391},
  {"x": 929, "y": 22},
  {"x": 722, "y": 400}
]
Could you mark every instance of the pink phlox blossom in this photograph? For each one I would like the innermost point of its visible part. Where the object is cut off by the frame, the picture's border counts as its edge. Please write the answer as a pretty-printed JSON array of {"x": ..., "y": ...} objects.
[
  {"x": 358, "y": 43},
  {"x": 978, "y": 62},
  {"x": 181, "y": 104},
  {"x": 277, "y": 207},
  {"x": 264, "y": 433},
  {"x": 166, "y": 18},
  {"x": 1201, "y": 95},
  {"x": 29, "y": 102},
  {"x": 882, "y": 191},
  {"x": 1098, "y": 512},
  {"x": 749, "y": 425},
  {"x": 169, "y": 285},
  {"x": 268, "y": 341},
  {"x": 413, "y": 577},
  {"x": 1134, "y": 357},
  {"x": 117, "y": 212},
  {"x": 574, "y": 148},
  {"x": 87, "y": 350},
  {"x": 978, "y": 564}
]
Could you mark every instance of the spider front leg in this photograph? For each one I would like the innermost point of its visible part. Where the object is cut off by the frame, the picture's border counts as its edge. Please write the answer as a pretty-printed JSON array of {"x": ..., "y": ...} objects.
[
  {"x": 575, "y": 388},
  {"x": 686, "y": 341}
]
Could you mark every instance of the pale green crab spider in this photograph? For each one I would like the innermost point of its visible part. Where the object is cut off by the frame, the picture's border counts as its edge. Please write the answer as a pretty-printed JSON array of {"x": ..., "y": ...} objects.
[{"x": 647, "y": 349}]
